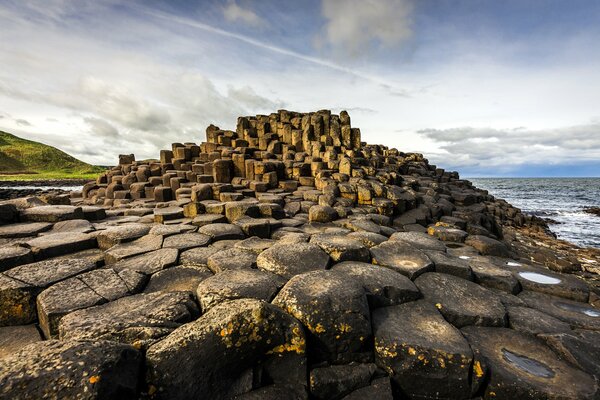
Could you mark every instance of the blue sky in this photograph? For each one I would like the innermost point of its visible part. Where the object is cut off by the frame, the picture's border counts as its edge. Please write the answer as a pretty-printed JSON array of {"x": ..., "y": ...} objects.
[{"x": 488, "y": 88}]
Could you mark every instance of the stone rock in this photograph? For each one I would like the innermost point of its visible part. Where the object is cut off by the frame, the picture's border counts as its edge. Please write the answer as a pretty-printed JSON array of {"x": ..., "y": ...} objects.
[
  {"x": 335, "y": 311},
  {"x": 145, "y": 244},
  {"x": 178, "y": 279},
  {"x": 71, "y": 370},
  {"x": 148, "y": 263},
  {"x": 487, "y": 246},
  {"x": 58, "y": 244},
  {"x": 380, "y": 389},
  {"x": 83, "y": 291},
  {"x": 222, "y": 231},
  {"x": 275, "y": 392},
  {"x": 421, "y": 241},
  {"x": 529, "y": 320},
  {"x": 186, "y": 241},
  {"x": 577, "y": 315},
  {"x": 237, "y": 284},
  {"x": 12, "y": 256},
  {"x": 446, "y": 264},
  {"x": 51, "y": 213},
  {"x": 141, "y": 319},
  {"x": 168, "y": 230},
  {"x": 322, "y": 214},
  {"x": 115, "y": 235},
  {"x": 337, "y": 381},
  {"x": 561, "y": 285},
  {"x": 518, "y": 366},
  {"x": 383, "y": 286},
  {"x": 14, "y": 338},
  {"x": 427, "y": 357},
  {"x": 341, "y": 248},
  {"x": 447, "y": 234},
  {"x": 235, "y": 336},
  {"x": 462, "y": 302},
  {"x": 494, "y": 277},
  {"x": 73, "y": 225},
  {"x": 207, "y": 219},
  {"x": 287, "y": 261},
  {"x": 231, "y": 259},
  {"x": 255, "y": 244},
  {"x": 580, "y": 348},
  {"x": 198, "y": 256},
  {"x": 162, "y": 215},
  {"x": 25, "y": 229},
  {"x": 401, "y": 257},
  {"x": 369, "y": 239}
]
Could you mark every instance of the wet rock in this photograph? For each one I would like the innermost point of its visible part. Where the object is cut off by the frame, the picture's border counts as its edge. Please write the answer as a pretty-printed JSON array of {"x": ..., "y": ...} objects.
[
  {"x": 83, "y": 291},
  {"x": 58, "y": 244},
  {"x": 421, "y": 241},
  {"x": 14, "y": 338},
  {"x": 336, "y": 381},
  {"x": 520, "y": 367},
  {"x": 237, "y": 284},
  {"x": 235, "y": 336},
  {"x": 494, "y": 277},
  {"x": 383, "y": 286},
  {"x": 12, "y": 256},
  {"x": 115, "y": 235},
  {"x": 577, "y": 315},
  {"x": 222, "y": 231},
  {"x": 554, "y": 284},
  {"x": 186, "y": 241},
  {"x": 579, "y": 348},
  {"x": 341, "y": 248},
  {"x": 139, "y": 246},
  {"x": 141, "y": 319},
  {"x": 71, "y": 370},
  {"x": 487, "y": 246},
  {"x": 335, "y": 311},
  {"x": 287, "y": 261},
  {"x": 529, "y": 320},
  {"x": 462, "y": 302},
  {"x": 51, "y": 213},
  {"x": 148, "y": 263},
  {"x": 428, "y": 357},
  {"x": 178, "y": 279},
  {"x": 25, "y": 229},
  {"x": 231, "y": 259},
  {"x": 402, "y": 258}
]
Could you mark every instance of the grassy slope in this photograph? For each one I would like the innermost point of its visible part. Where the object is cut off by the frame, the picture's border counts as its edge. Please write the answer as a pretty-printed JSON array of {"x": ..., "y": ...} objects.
[{"x": 22, "y": 159}]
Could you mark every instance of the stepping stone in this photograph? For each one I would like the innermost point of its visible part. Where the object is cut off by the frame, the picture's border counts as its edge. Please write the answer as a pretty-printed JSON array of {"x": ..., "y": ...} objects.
[
  {"x": 287, "y": 261},
  {"x": 447, "y": 234},
  {"x": 12, "y": 256},
  {"x": 462, "y": 302},
  {"x": 71, "y": 370},
  {"x": 383, "y": 286},
  {"x": 186, "y": 241},
  {"x": 20, "y": 286},
  {"x": 73, "y": 225},
  {"x": 235, "y": 210},
  {"x": 14, "y": 338},
  {"x": 178, "y": 279},
  {"x": 529, "y": 320},
  {"x": 115, "y": 235},
  {"x": 161, "y": 215},
  {"x": 58, "y": 244},
  {"x": 240, "y": 332},
  {"x": 336, "y": 381},
  {"x": 222, "y": 232},
  {"x": 335, "y": 311},
  {"x": 139, "y": 246},
  {"x": 322, "y": 214},
  {"x": 141, "y": 319},
  {"x": 577, "y": 315},
  {"x": 169, "y": 230},
  {"x": 580, "y": 348},
  {"x": 421, "y": 241},
  {"x": 255, "y": 244},
  {"x": 198, "y": 256},
  {"x": 231, "y": 259},
  {"x": 379, "y": 389},
  {"x": 83, "y": 291},
  {"x": 25, "y": 229},
  {"x": 207, "y": 219},
  {"x": 425, "y": 355},
  {"x": 341, "y": 248},
  {"x": 260, "y": 227},
  {"x": 93, "y": 213},
  {"x": 518, "y": 366},
  {"x": 361, "y": 225},
  {"x": 401, "y": 257},
  {"x": 487, "y": 246},
  {"x": 447, "y": 264},
  {"x": 368, "y": 239},
  {"x": 51, "y": 213},
  {"x": 148, "y": 263},
  {"x": 494, "y": 277},
  {"x": 544, "y": 281},
  {"x": 237, "y": 284}
]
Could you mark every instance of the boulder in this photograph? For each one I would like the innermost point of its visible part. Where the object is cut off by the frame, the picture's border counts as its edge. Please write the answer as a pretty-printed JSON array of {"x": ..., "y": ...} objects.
[
  {"x": 341, "y": 248},
  {"x": 487, "y": 246},
  {"x": 288, "y": 261},
  {"x": 401, "y": 257}
]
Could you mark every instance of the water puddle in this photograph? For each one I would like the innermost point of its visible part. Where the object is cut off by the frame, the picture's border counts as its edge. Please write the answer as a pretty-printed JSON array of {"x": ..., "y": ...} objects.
[
  {"x": 590, "y": 312},
  {"x": 527, "y": 364},
  {"x": 464, "y": 257},
  {"x": 539, "y": 278},
  {"x": 513, "y": 264}
]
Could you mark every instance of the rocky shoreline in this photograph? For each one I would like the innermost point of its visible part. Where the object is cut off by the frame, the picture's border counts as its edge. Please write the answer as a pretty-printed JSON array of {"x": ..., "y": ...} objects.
[
  {"x": 289, "y": 260},
  {"x": 16, "y": 189}
]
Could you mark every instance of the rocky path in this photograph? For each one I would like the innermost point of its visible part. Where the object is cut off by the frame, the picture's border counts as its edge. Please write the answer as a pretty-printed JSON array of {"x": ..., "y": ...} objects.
[{"x": 293, "y": 292}]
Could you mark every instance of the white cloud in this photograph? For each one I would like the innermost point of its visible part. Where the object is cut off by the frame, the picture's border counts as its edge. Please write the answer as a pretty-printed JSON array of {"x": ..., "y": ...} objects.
[
  {"x": 354, "y": 27},
  {"x": 234, "y": 13},
  {"x": 101, "y": 128}
]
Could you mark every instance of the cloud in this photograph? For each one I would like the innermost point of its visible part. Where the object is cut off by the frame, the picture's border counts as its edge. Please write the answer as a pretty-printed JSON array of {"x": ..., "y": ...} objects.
[
  {"x": 101, "y": 128},
  {"x": 354, "y": 27},
  {"x": 247, "y": 97},
  {"x": 234, "y": 13},
  {"x": 22, "y": 122},
  {"x": 504, "y": 150}
]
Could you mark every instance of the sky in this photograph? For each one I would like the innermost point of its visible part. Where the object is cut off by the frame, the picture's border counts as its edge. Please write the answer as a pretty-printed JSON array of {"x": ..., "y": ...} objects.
[{"x": 487, "y": 88}]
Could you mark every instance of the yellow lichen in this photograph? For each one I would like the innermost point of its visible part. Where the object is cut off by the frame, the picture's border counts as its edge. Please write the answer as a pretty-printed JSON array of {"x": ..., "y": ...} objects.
[
  {"x": 411, "y": 351},
  {"x": 477, "y": 369},
  {"x": 319, "y": 328},
  {"x": 94, "y": 379},
  {"x": 438, "y": 305}
]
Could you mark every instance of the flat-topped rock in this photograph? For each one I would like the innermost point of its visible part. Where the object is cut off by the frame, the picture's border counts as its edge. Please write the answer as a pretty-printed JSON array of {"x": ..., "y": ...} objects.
[
  {"x": 446, "y": 264},
  {"x": 186, "y": 241},
  {"x": 161, "y": 215},
  {"x": 14, "y": 338},
  {"x": 425, "y": 355},
  {"x": 220, "y": 231},
  {"x": 207, "y": 219},
  {"x": 544, "y": 281},
  {"x": 12, "y": 256},
  {"x": 149, "y": 263},
  {"x": 114, "y": 235},
  {"x": 198, "y": 256},
  {"x": 335, "y": 381},
  {"x": 141, "y": 319},
  {"x": 255, "y": 244},
  {"x": 51, "y": 213},
  {"x": 576, "y": 314},
  {"x": 231, "y": 259},
  {"x": 447, "y": 234},
  {"x": 145, "y": 244},
  {"x": 402, "y": 258},
  {"x": 177, "y": 279},
  {"x": 532, "y": 321},
  {"x": 288, "y": 261},
  {"x": 169, "y": 230},
  {"x": 73, "y": 225},
  {"x": 58, "y": 244},
  {"x": 421, "y": 241},
  {"x": 25, "y": 229},
  {"x": 520, "y": 367},
  {"x": 580, "y": 348},
  {"x": 341, "y": 248},
  {"x": 487, "y": 246}
]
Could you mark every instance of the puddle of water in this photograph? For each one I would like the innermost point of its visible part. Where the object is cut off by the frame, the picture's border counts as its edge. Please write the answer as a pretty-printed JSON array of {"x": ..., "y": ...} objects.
[
  {"x": 590, "y": 312},
  {"x": 464, "y": 257},
  {"x": 527, "y": 364},
  {"x": 540, "y": 278},
  {"x": 513, "y": 264}
]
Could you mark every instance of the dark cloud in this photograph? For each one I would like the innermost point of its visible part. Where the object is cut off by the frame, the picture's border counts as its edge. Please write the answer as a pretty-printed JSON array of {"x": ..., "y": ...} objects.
[{"x": 22, "y": 122}]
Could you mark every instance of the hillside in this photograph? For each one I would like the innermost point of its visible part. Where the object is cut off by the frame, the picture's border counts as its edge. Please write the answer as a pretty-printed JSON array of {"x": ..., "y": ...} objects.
[{"x": 26, "y": 159}]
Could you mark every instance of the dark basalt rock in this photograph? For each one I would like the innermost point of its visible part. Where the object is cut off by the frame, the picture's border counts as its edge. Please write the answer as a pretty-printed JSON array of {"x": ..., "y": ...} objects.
[
  {"x": 14, "y": 338},
  {"x": 177, "y": 279},
  {"x": 421, "y": 241},
  {"x": 487, "y": 246},
  {"x": 288, "y": 261},
  {"x": 529, "y": 320},
  {"x": 341, "y": 248},
  {"x": 12, "y": 256},
  {"x": 338, "y": 380},
  {"x": 58, "y": 244},
  {"x": 51, "y": 213},
  {"x": 577, "y": 315},
  {"x": 579, "y": 348},
  {"x": 379, "y": 389},
  {"x": 145, "y": 244},
  {"x": 115, "y": 235},
  {"x": 401, "y": 257}
]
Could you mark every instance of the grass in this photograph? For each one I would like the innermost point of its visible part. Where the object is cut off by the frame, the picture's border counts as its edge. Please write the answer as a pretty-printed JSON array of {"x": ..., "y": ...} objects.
[{"x": 22, "y": 159}]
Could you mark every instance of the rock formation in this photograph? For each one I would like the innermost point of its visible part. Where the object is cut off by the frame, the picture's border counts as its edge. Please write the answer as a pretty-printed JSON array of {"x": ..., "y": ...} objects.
[{"x": 289, "y": 260}]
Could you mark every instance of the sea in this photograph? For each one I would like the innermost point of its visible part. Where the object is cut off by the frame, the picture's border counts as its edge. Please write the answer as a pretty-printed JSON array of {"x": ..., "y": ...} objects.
[{"x": 559, "y": 199}]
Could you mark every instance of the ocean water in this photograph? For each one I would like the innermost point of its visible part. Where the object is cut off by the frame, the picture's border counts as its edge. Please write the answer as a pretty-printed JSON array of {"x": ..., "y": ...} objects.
[{"x": 560, "y": 199}]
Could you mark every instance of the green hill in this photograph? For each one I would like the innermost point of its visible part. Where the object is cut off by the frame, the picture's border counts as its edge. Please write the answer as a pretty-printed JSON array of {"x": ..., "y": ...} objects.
[{"x": 22, "y": 159}]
